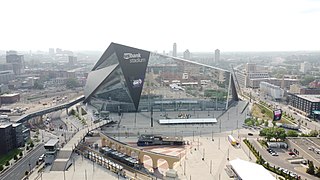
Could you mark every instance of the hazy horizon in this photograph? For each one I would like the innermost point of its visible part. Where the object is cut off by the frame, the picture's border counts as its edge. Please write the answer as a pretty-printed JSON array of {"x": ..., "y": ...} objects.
[{"x": 200, "y": 26}]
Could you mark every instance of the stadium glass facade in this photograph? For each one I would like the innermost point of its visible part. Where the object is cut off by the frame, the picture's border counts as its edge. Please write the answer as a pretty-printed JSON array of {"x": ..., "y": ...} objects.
[{"x": 127, "y": 79}]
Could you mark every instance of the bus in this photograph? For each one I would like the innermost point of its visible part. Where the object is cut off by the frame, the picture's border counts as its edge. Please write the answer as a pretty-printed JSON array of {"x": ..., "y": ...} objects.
[{"x": 232, "y": 140}]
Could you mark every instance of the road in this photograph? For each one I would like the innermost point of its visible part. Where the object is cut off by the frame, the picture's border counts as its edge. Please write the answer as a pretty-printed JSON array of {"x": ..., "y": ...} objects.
[{"x": 28, "y": 162}]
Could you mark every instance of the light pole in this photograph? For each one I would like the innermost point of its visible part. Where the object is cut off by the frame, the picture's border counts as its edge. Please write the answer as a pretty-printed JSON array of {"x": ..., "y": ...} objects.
[{"x": 135, "y": 118}]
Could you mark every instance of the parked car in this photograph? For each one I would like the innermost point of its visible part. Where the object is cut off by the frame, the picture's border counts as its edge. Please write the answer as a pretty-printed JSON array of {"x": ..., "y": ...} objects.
[{"x": 292, "y": 154}]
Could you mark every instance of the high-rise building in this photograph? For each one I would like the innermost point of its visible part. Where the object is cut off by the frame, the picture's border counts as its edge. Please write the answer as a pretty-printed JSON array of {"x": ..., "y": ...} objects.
[
  {"x": 51, "y": 51},
  {"x": 186, "y": 54},
  {"x": 16, "y": 60},
  {"x": 72, "y": 60},
  {"x": 174, "y": 52},
  {"x": 217, "y": 55},
  {"x": 305, "y": 67}
]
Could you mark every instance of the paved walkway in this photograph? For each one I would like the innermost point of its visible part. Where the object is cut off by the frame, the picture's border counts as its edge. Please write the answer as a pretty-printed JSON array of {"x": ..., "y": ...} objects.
[{"x": 64, "y": 154}]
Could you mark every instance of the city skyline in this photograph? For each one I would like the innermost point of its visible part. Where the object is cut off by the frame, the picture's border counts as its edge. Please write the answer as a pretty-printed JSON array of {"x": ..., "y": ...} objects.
[{"x": 198, "y": 26}]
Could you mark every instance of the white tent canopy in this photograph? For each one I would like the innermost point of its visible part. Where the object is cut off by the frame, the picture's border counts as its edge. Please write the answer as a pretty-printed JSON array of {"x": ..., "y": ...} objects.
[{"x": 250, "y": 171}]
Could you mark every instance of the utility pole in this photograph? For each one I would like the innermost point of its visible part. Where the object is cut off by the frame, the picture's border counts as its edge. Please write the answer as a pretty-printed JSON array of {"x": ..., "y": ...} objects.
[
  {"x": 193, "y": 135},
  {"x": 198, "y": 143},
  {"x": 210, "y": 166}
]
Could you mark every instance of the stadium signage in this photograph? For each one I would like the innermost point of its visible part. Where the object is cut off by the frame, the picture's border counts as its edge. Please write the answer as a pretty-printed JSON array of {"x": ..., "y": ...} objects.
[
  {"x": 277, "y": 114},
  {"x": 133, "y": 57}
]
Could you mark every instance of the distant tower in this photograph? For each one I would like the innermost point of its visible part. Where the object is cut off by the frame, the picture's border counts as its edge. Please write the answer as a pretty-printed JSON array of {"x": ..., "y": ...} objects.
[
  {"x": 51, "y": 51},
  {"x": 174, "y": 52},
  {"x": 16, "y": 60},
  {"x": 217, "y": 55},
  {"x": 186, "y": 54}
]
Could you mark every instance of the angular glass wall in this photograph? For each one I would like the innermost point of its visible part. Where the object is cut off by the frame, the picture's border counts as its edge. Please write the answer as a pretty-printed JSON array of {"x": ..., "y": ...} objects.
[
  {"x": 178, "y": 84},
  {"x": 127, "y": 79}
]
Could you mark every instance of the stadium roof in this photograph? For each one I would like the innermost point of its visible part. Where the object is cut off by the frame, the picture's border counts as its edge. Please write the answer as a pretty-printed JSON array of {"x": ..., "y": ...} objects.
[{"x": 249, "y": 171}]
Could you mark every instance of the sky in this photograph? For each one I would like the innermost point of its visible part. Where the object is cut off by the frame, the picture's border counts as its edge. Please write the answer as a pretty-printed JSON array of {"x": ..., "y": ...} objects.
[{"x": 197, "y": 25}]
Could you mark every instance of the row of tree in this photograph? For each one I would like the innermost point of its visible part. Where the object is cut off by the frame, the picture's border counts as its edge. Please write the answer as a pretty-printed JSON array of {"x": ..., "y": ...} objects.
[{"x": 273, "y": 132}]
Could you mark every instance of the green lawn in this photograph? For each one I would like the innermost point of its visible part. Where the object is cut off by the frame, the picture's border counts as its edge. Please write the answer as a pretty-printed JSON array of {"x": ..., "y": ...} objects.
[{"x": 6, "y": 157}]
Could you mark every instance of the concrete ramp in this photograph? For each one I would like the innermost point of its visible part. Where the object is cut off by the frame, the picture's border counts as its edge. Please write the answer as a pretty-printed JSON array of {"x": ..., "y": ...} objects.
[
  {"x": 63, "y": 157},
  {"x": 59, "y": 165}
]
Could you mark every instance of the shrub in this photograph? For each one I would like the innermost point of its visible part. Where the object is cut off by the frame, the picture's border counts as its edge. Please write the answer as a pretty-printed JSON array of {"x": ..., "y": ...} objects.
[
  {"x": 310, "y": 169},
  {"x": 317, "y": 172}
]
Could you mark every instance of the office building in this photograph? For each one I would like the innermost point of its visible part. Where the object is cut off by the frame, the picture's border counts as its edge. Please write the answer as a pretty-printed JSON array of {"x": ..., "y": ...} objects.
[
  {"x": 10, "y": 98},
  {"x": 12, "y": 136},
  {"x": 51, "y": 52},
  {"x": 217, "y": 55},
  {"x": 275, "y": 92},
  {"x": 72, "y": 60},
  {"x": 284, "y": 83},
  {"x": 17, "y": 62},
  {"x": 305, "y": 67},
  {"x": 6, "y": 76},
  {"x": 127, "y": 79},
  {"x": 305, "y": 104},
  {"x": 186, "y": 54},
  {"x": 174, "y": 52},
  {"x": 251, "y": 75}
]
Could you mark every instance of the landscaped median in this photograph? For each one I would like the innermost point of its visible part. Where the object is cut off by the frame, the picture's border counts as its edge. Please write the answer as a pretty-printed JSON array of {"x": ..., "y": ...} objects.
[
  {"x": 5, "y": 159},
  {"x": 264, "y": 163}
]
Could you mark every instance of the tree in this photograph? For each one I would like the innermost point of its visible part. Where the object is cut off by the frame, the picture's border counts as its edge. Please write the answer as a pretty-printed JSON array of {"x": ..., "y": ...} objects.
[
  {"x": 317, "y": 172},
  {"x": 31, "y": 144},
  {"x": 38, "y": 85},
  {"x": 280, "y": 133},
  {"x": 72, "y": 83},
  {"x": 292, "y": 133},
  {"x": 306, "y": 80},
  {"x": 15, "y": 157},
  {"x": 266, "y": 123},
  {"x": 310, "y": 169},
  {"x": 1, "y": 167},
  {"x": 313, "y": 133},
  {"x": 7, "y": 163},
  {"x": 21, "y": 154}
]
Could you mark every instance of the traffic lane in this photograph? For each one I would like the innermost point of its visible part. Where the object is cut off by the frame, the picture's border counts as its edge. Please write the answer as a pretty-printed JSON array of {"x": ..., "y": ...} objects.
[
  {"x": 278, "y": 160},
  {"x": 19, "y": 169}
]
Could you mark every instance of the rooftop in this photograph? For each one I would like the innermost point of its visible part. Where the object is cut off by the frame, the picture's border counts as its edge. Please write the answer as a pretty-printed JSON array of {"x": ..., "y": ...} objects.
[
  {"x": 248, "y": 171},
  {"x": 9, "y": 95},
  {"x": 52, "y": 142},
  {"x": 311, "y": 98}
]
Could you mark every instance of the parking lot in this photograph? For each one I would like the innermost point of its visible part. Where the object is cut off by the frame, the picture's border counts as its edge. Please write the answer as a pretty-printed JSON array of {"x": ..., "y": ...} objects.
[{"x": 281, "y": 160}]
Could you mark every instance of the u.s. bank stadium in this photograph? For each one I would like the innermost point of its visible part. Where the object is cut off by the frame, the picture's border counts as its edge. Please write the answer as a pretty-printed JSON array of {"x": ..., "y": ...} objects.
[{"x": 127, "y": 79}]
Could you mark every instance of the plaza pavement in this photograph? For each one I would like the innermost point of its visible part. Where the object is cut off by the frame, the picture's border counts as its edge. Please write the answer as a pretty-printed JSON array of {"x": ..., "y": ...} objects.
[
  {"x": 214, "y": 153},
  {"x": 190, "y": 165}
]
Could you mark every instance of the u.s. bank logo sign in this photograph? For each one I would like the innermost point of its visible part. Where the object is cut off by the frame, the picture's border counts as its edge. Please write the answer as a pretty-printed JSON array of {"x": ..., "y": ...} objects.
[{"x": 133, "y": 57}]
